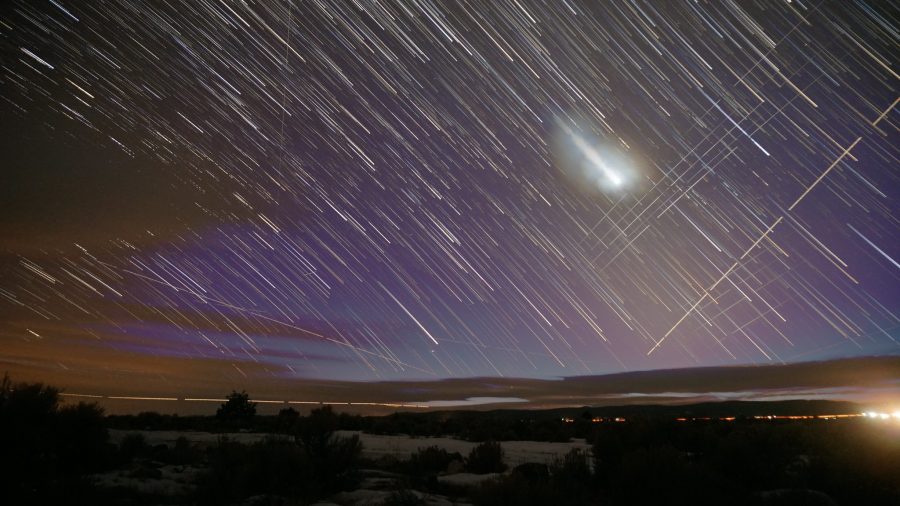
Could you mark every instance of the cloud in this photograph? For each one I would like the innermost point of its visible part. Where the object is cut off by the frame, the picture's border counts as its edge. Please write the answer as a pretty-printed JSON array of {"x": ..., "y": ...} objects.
[{"x": 107, "y": 370}]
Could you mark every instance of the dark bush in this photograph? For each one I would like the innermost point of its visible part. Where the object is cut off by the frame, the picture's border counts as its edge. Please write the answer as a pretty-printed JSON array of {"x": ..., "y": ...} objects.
[
  {"x": 237, "y": 409},
  {"x": 573, "y": 468},
  {"x": 486, "y": 458},
  {"x": 533, "y": 471},
  {"x": 315, "y": 430},
  {"x": 238, "y": 471},
  {"x": 280, "y": 467},
  {"x": 183, "y": 452},
  {"x": 27, "y": 404},
  {"x": 336, "y": 465},
  {"x": 132, "y": 446},
  {"x": 431, "y": 460},
  {"x": 566, "y": 481},
  {"x": 81, "y": 439},
  {"x": 286, "y": 420},
  {"x": 515, "y": 489},
  {"x": 48, "y": 450}
]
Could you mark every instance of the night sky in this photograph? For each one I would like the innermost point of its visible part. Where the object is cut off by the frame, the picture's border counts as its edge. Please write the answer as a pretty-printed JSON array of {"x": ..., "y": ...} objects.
[{"x": 216, "y": 193}]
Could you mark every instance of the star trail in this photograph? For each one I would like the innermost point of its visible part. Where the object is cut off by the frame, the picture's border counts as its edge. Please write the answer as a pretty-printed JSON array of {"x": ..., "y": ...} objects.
[{"x": 380, "y": 190}]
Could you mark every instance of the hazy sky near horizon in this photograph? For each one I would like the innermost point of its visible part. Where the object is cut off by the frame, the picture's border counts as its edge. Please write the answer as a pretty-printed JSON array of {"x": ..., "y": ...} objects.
[{"x": 212, "y": 193}]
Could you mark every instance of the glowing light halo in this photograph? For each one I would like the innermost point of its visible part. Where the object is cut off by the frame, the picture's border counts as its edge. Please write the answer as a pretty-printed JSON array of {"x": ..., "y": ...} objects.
[
  {"x": 592, "y": 163},
  {"x": 594, "y": 157}
]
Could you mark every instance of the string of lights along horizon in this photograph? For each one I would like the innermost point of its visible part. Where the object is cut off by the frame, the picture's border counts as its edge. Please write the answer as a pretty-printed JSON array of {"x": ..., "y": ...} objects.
[{"x": 425, "y": 189}]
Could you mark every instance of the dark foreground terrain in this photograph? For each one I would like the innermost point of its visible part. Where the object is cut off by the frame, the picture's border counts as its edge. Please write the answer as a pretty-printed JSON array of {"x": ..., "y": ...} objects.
[{"x": 718, "y": 453}]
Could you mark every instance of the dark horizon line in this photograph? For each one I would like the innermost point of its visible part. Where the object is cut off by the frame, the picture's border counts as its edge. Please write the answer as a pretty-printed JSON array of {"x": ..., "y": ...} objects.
[{"x": 848, "y": 379}]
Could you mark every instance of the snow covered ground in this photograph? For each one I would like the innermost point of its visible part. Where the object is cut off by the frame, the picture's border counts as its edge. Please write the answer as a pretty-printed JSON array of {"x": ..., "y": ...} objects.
[
  {"x": 168, "y": 480},
  {"x": 375, "y": 446},
  {"x": 516, "y": 452}
]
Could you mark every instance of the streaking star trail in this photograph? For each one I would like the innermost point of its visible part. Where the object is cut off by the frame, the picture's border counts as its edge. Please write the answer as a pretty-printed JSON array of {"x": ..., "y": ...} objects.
[{"x": 209, "y": 192}]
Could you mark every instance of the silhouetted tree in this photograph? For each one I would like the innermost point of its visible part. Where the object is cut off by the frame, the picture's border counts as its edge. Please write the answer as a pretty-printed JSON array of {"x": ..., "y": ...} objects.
[
  {"x": 46, "y": 450},
  {"x": 27, "y": 403},
  {"x": 315, "y": 430},
  {"x": 335, "y": 459},
  {"x": 287, "y": 420},
  {"x": 81, "y": 438},
  {"x": 237, "y": 408}
]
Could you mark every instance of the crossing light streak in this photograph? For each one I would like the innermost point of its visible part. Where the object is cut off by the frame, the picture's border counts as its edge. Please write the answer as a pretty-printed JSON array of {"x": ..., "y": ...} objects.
[{"x": 233, "y": 192}]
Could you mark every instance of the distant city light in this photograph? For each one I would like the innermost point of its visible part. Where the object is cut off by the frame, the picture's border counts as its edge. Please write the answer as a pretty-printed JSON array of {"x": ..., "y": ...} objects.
[{"x": 874, "y": 415}]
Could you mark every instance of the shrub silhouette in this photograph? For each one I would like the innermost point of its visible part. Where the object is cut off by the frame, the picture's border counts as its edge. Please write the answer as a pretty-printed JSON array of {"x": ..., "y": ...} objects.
[
  {"x": 182, "y": 452},
  {"x": 49, "y": 450},
  {"x": 313, "y": 464},
  {"x": 81, "y": 438},
  {"x": 566, "y": 481},
  {"x": 515, "y": 489},
  {"x": 431, "y": 460},
  {"x": 573, "y": 469},
  {"x": 335, "y": 459},
  {"x": 286, "y": 420},
  {"x": 46, "y": 449},
  {"x": 132, "y": 446},
  {"x": 27, "y": 403},
  {"x": 533, "y": 471},
  {"x": 238, "y": 471},
  {"x": 237, "y": 408},
  {"x": 486, "y": 458},
  {"x": 316, "y": 429}
]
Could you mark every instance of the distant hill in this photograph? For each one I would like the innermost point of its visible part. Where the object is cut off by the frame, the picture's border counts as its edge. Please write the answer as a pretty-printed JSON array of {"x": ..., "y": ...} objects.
[{"x": 668, "y": 411}]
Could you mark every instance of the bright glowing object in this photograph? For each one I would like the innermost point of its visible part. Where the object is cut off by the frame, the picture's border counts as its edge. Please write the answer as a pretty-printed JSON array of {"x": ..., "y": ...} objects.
[
  {"x": 882, "y": 416},
  {"x": 596, "y": 160},
  {"x": 592, "y": 163}
]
